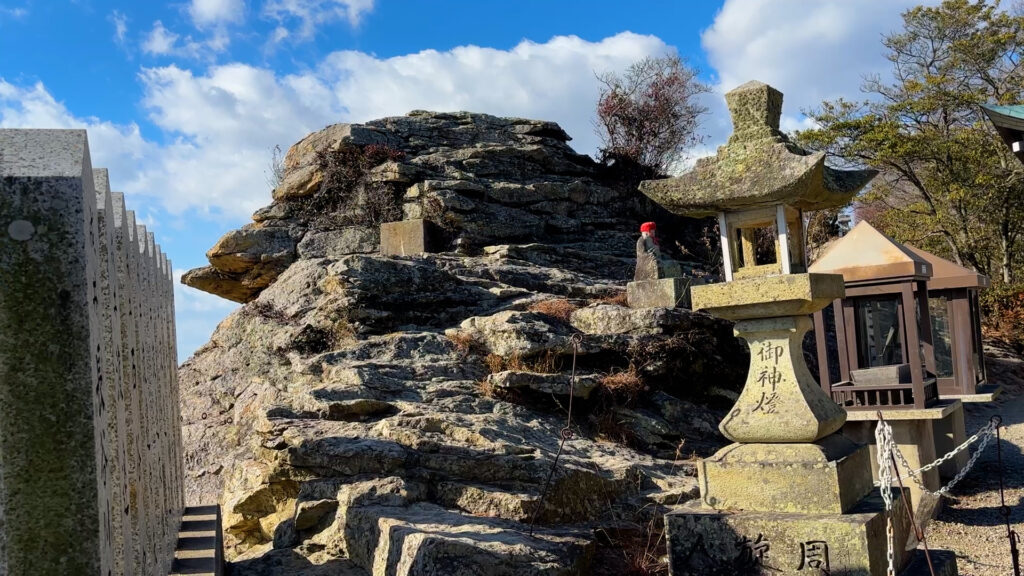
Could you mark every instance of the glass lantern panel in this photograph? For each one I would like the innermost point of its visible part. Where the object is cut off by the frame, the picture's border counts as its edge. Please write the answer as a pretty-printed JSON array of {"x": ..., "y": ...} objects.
[
  {"x": 878, "y": 331},
  {"x": 976, "y": 344},
  {"x": 831, "y": 343},
  {"x": 941, "y": 338}
]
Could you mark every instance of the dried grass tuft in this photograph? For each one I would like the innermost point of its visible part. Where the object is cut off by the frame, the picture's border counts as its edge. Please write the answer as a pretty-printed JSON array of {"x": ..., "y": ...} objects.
[
  {"x": 556, "y": 308},
  {"x": 617, "y": 299}
]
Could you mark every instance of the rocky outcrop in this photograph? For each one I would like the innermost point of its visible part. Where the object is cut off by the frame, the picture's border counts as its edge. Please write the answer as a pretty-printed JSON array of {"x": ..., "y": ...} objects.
[
  {"x": 485, "y": 181},
  {"x": 363, "y": 414}
]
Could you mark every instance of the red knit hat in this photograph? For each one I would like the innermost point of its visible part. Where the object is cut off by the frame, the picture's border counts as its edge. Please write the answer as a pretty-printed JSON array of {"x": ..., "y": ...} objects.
[{"x": 648, "y": 227}]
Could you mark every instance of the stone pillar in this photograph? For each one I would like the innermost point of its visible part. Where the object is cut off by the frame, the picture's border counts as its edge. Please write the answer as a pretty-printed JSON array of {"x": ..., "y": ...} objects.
[
  {"x": 51, "y": 354},
  {"x": 128, "y": 249},
  {"x": 110, "y": 416},
  {"x": 922, "y": 435}
]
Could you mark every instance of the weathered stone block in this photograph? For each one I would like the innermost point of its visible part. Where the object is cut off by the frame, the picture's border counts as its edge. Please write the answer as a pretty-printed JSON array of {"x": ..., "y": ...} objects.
[
  {"x": 663, "y": 293},
  {"x": 827, "y": 477},
  {"x": 707, "y": 542},
  {"x": 768, "y": 296},
  {"x": 950, "y": 432},
  {"x": 406, "y": 237}
]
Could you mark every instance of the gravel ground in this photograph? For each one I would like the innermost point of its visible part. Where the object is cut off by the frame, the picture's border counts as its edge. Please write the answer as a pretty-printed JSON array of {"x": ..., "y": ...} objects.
[{"x": 970, "y": 524}]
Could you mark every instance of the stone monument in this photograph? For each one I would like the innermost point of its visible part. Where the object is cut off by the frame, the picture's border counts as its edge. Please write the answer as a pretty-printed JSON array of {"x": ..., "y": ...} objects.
[
  {"x": 790, "y": 496},
  {"x": 657, "y": 281}
]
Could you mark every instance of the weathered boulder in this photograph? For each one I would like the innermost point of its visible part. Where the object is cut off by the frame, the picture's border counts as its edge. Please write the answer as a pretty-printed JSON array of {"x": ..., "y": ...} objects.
[
  {"x": 514, "y": 333},
  {"x": 338, "y": 243},
  {"x": 557, "y": 384}
]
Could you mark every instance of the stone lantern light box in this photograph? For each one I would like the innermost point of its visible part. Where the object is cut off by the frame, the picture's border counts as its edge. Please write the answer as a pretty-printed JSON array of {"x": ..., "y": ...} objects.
[
  {"x": 956, "y": 329},
  {"x": 882, "y": 326}
]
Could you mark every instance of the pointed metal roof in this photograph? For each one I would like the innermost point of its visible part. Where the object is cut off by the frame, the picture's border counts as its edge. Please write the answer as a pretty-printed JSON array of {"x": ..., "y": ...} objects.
[
  {"x": 866, "y": 256},
  {"x": 1009, "y": 123},
  {"x": 946, "y": 274}
]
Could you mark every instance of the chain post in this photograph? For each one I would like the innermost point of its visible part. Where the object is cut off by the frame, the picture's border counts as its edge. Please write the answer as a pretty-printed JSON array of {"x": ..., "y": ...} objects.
[
  {"x": 1004, "y": 510},
  {"x": 565, "y": 433}
]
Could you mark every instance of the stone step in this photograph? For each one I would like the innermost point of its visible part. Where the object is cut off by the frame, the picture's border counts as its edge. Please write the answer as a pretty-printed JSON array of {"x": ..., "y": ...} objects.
[
  {"x": 427, "y": 540},
  {"x": 200, "y": 543}
]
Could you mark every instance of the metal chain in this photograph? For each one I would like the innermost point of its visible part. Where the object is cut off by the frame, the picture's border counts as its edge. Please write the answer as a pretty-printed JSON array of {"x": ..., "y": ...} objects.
[
  {"x": 985, "y": 434},
  {"x": 988, "y": 431},
  {"x": 885, "y": 445},
  {"x": 889, "y": 452},
  {"x": 565, "y": 433},
  {"x": 887, "y": 466}
]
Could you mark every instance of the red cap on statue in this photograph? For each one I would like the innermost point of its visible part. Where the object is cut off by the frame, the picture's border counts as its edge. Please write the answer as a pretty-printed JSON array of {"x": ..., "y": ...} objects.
[{"x": 648, "y": 227}]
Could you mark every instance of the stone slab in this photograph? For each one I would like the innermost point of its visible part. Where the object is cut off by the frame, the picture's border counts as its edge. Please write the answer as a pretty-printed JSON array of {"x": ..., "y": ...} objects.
[
  {"x": 661, "y": 293},
  {"x": 986, "y": 393},
  {"x": 937, "y": 411},
  {"x": 828, "y": 477},
  {"x": 712, "y": 543},
  {"x": 406, "y": 238},
  {"x": 768, "y": 296}
]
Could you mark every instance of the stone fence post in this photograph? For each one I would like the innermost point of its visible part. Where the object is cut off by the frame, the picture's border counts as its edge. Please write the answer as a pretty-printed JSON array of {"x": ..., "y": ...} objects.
[{"x": 90, "y": 445}]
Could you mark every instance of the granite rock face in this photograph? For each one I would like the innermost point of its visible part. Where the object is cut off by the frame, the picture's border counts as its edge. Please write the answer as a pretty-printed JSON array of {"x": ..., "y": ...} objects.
[{"x": 370, "y": 414}]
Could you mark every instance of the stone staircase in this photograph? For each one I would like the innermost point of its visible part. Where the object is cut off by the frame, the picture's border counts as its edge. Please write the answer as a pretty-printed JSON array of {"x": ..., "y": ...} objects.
[{"x": 199, "y": 549}]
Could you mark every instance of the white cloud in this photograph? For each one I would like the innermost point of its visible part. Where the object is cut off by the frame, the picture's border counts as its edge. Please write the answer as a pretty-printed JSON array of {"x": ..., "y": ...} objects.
[
  {"x": 220, "y": 126},
  {"x": 210, "y": 12},
  {"x": 15, "y": 13},
  {"x": 223, "y": 124},
  {"x": 308, "y": 15},
  {"x": 160, "y": 40},
  {"x": 811, "y": 51},
  {"x": 120, "y": 22},
  {"x": 120, "y": 148}
]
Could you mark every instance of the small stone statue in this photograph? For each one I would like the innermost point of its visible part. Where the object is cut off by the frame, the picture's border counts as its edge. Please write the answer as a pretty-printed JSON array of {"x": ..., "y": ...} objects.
[{"x": 650, "y": 265}]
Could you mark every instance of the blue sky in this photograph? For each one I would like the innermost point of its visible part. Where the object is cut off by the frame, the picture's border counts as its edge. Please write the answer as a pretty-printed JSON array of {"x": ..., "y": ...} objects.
[{"x": 185, "y": 101}]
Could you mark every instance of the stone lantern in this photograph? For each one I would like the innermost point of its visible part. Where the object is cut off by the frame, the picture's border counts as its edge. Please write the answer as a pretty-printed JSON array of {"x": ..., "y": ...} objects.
[{"x": 790, "y": 496}]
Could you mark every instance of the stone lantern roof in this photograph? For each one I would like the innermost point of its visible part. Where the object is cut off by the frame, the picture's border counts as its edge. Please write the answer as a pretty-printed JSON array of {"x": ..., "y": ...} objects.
[{"x": 758, "y": 167}]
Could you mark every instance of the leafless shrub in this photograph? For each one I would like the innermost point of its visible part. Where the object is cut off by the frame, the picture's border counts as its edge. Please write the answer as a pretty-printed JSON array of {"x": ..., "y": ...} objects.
[{"x": 650, "y": 114}]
